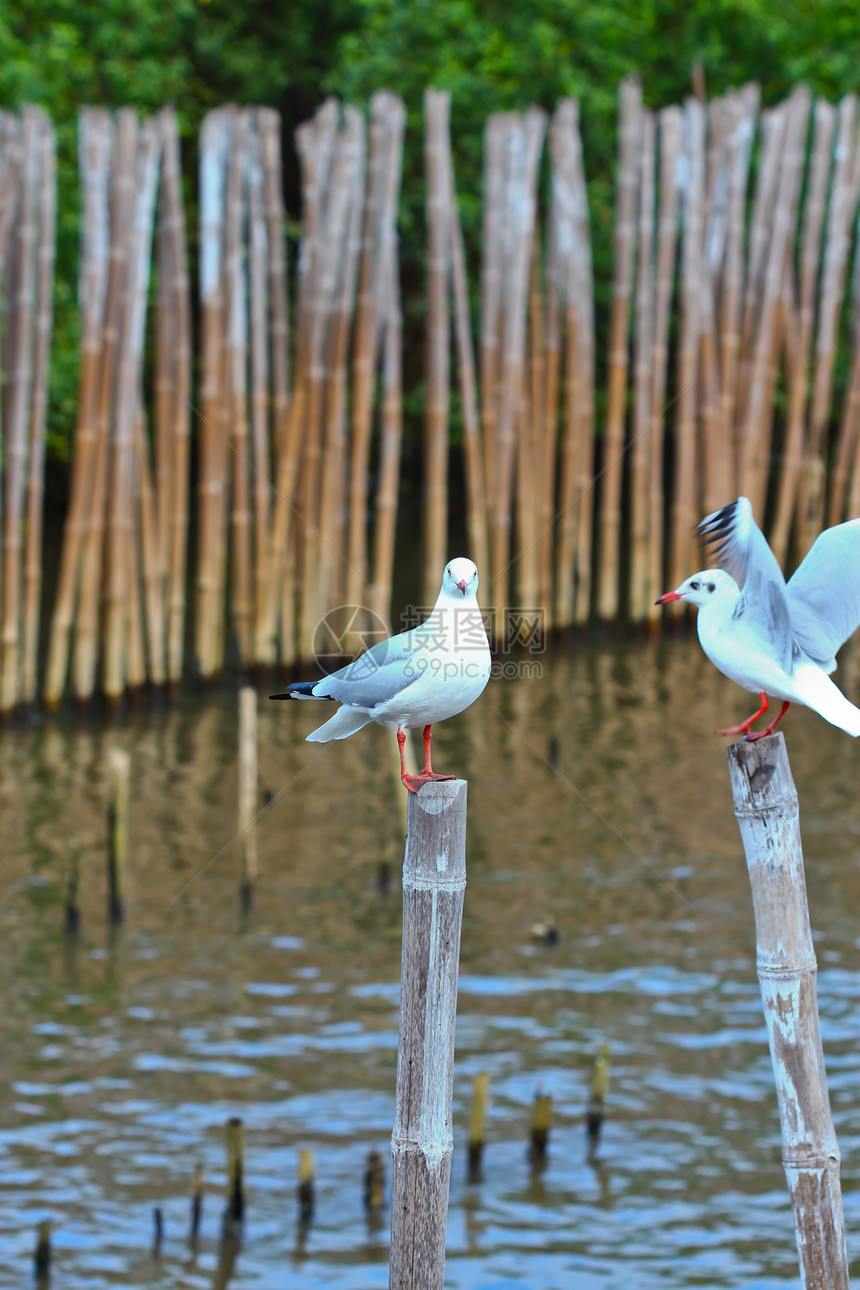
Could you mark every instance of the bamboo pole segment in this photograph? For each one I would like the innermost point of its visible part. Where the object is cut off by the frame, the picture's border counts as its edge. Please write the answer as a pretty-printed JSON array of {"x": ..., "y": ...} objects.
[
  {"x": 437, "y": 107},
  {"x": 766, "y": 808},
  {"x": 629, "y": 142},
  {"x": 129, "y": 371},
  {"x": 134, "y": 649},
  {"x": 585, "y": 385},
  {"x": 840, "y": 220},
  {"x": 42, "y": 1255},
  {"x": 528, "y": 459},
  {"x": 214, "y": 147},
  {"x": 196, "y": 1206},
  {"x": 19, "y": 355},
  {"x": 670, "y": 138},
  {"x": 327, "y": 578},
  {"x": 236, "y": 344},
  {"x": 849, "y": 427},
  {"x": 434, "y": 879},
  {"x": 524, "y": 147},
  {"x": 122, "y": 203},
  {"x": 258, "y": 313},
  {"x": 119, "y": 775},
  {"x": 640, "y": 513},
  {"x": 732, "y": 293},
  {"x": 234, "y": 1212},
  {"x": 473, "y": 449},
  {"x": 597, "y": 1102},
  {"x": 164, "y": 384},
  {"x": 95, "y": 132},
  {"x": 269, "y": 133},
  {"x": 477, "y": 1120},
  {"x": 491, "y": 297},
  {"x": 384, "y": 117},
  {"x": 248, "y": 791},
  {"x": 389, "y": 464},
  {"x": 175, "y": 554},
  {"x": 151, "y": 567},
  {"x": 685, "y": 506},
  {"x": 374, "y": 1183},
  {"x": 548, "y": 465},
  {"x": 45, "y": 257},
  {"x": 810, "y": 256},
  {"x": 307, "y": 1171},
  {"x": 717, "y": 475},
  {"x": 540, "y": 1126},
  {"x": 758, "y": 414}
]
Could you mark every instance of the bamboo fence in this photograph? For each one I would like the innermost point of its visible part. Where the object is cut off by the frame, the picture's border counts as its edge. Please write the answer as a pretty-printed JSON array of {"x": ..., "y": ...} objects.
[{"x": 729, "y": 353}]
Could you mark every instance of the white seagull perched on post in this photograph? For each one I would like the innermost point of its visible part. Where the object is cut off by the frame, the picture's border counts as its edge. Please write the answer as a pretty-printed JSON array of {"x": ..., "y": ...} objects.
[
  {"x": 415, "y": 679},
  {"x": 777, "y": 639}
]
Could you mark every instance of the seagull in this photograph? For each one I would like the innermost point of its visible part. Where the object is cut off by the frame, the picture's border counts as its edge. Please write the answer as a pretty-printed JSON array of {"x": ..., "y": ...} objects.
[
  {"x": 415, "y": 679},
  {"x": 777, "y": 639}
]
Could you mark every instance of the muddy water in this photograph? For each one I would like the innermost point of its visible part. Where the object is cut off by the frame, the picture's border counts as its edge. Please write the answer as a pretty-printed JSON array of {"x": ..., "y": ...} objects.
[{"x": 122, "y": 1058}]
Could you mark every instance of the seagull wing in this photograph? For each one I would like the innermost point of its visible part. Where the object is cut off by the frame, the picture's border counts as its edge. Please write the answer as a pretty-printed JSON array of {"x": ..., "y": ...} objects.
[
  {"x": 741, "y": 549},
  {"x": 824, "y": 593},
  {"x": 378, "y": 675}
]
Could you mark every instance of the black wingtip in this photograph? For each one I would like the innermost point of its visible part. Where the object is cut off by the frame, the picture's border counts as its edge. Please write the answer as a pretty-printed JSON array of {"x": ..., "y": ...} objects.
[{"x": 281, "y": 696}]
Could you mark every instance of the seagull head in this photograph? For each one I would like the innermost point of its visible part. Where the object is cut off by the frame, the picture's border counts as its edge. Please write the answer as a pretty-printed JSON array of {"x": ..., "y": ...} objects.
[
  {"x": 702, "y": 589},
  {"x": 460, "y": 579}
]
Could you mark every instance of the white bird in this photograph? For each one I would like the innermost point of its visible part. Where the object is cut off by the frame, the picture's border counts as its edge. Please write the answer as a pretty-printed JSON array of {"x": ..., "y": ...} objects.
[
  {"x": 415, "y": 679},
  {"x": 774, "y": 638}
]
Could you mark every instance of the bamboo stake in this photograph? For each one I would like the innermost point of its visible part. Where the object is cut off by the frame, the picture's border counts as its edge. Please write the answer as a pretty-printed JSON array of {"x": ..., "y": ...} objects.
[
  {"x": 44, "y": 322},
  {"x": 477, "y": 1118},
  {"x": 214, "y": 146},
  {"x": 19, "y": 310},
  {"x": 671, "y": 127},
  {"x": 549, "y": 461},
  {"x": 767, "y": 811},
  {"x": 437, "y": 105},
  {"x": 119, "y": 775},
  {"x": 840, "y": 219},
  {"x": 259, "y": 319},
  {"x": 810, "y": 253},
  {"x": 717, "y": 475},
  {"x": 629, "y": 137},
  {"x": 248, "y": 791},
  {"x": 643, "y": 375},
  {"x": 491, "y": 299},
  {"x": 234, "y": 1212},
  {"x": 134, "y": 649},
  {"x": 333, "y": 487},
  {"x": 176, "y": 554},
  {"x": 149, "y": 559},
  {"x": 585, "y": 384},
  {"x": 434, "y": 878},
  {"x": 128, "y": 377},
  {"x": 473, "y": 454},
  {"x": 684, "y": 493}
]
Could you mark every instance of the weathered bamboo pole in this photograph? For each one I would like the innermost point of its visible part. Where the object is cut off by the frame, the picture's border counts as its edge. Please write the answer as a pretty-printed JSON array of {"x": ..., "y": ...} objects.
[
  {"x": 128, "y": 380},
  {"x": 45, "y": 257},
  {"x": 248, "y": 791},
  {"x": 119, "y": 775},
  {"x": 477, "y": 1120},
  {"x": 717, "y": 473},
  {"x": 234, "y": 1211},
  {"x": 153, "y": 587},
  {"x": 670, "y": 133},
  {"x": 491, "y": 298},
  {"x": 258, "y": 317},
  {"x": 176, "y": 554},
  {"x": 19, "y": 311},
  {"x": 95, "y": 134},
  {"x": 629, "y": 137},
  {"x": 437, "y": 107},
  {"x": 810, "y": 256},
  {"x": 392, "y": 434},
  {"x": 434, "y": 879},
  {"x": 120, "y": 276},
  {"x": 767, "y": 812},
  {"x": 640, "y": 534}
]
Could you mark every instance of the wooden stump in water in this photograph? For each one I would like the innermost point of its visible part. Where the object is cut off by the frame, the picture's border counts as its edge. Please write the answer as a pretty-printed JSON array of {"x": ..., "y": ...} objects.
[
  {"x": 248, "y": 791},
  {"x": 119, "y": 773},
  {"x": 767, "y": 812},
  {"x": 434, "y": 880}
]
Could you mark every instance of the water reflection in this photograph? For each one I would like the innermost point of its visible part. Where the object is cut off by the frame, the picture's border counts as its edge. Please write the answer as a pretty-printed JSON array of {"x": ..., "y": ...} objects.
[{"x": 124, "y": 1056}]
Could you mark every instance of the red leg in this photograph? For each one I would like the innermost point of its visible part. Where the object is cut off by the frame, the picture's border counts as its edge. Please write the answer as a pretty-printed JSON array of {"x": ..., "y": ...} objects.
[
  {"x": 414, "y": 782},
  {"x": 760, "y": 734},
  {"x": 745, "y": 725}
]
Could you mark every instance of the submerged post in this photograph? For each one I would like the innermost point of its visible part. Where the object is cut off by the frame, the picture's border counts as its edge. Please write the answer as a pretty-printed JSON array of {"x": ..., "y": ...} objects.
[
  {"x": 248, "y": 791},
  {"x": 434, "y": 880},
  {"x": 767, "y": 811},
  {"x": 119, "y": 774}
]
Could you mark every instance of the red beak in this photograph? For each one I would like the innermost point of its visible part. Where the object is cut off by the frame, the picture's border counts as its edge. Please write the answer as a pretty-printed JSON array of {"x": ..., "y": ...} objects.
[
  {"x": 667, "y": 598},
  {"x": 463, "y": 585}
]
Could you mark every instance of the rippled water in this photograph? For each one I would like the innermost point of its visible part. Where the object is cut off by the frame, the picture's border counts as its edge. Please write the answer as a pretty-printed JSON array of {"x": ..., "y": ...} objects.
[{"x": 122, "y": 1059}]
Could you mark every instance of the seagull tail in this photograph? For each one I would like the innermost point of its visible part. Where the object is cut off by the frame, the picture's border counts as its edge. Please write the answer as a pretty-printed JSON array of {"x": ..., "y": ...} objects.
[
  {"x": 345, "y": 722},
  {"x": 835, "y": 708}
]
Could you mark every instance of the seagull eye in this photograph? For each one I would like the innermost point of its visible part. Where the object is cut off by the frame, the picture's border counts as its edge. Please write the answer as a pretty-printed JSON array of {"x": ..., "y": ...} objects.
[{"x": 694, "y": 586}]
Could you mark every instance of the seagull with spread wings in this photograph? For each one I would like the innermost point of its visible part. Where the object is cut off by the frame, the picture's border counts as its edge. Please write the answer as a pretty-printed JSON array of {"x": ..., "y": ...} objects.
[{"x": 775, "y": 638}]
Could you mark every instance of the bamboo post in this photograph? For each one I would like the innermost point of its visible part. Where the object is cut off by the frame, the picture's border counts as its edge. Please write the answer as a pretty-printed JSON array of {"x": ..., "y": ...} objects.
[
  {"x": 640, "y": 534},
  {"x": 629, "y": 139},
  {"x": 437, "y": 105},
  {"x": 248, "y": 791},
  {"x": 196, "y": 1206},
  {"x": 597, "y": 1102},
  {"x": 477, "y": 1119},
  {"x": 766, "y": 807},
  {"x": 119, "y": 774},
  {"x": 258, "y": 312},
  {"x": 45, "y": 256},
  {"x": 42, "y": 1255},
  {"x": 374, "y": 1183},
  {"x": 73, "y": 910},
  {"x": 234, "y": 1212},
  {"x": 540, "y": 1126},
  {"x": 307, "y": 1171},
  {"x": 434, "y": 879},
  {"x": 491, "y": 297}
]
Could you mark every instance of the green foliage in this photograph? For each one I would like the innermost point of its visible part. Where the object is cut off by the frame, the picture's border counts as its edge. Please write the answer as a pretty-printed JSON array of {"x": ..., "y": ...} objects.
[{"x": 490, "y": 55}]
